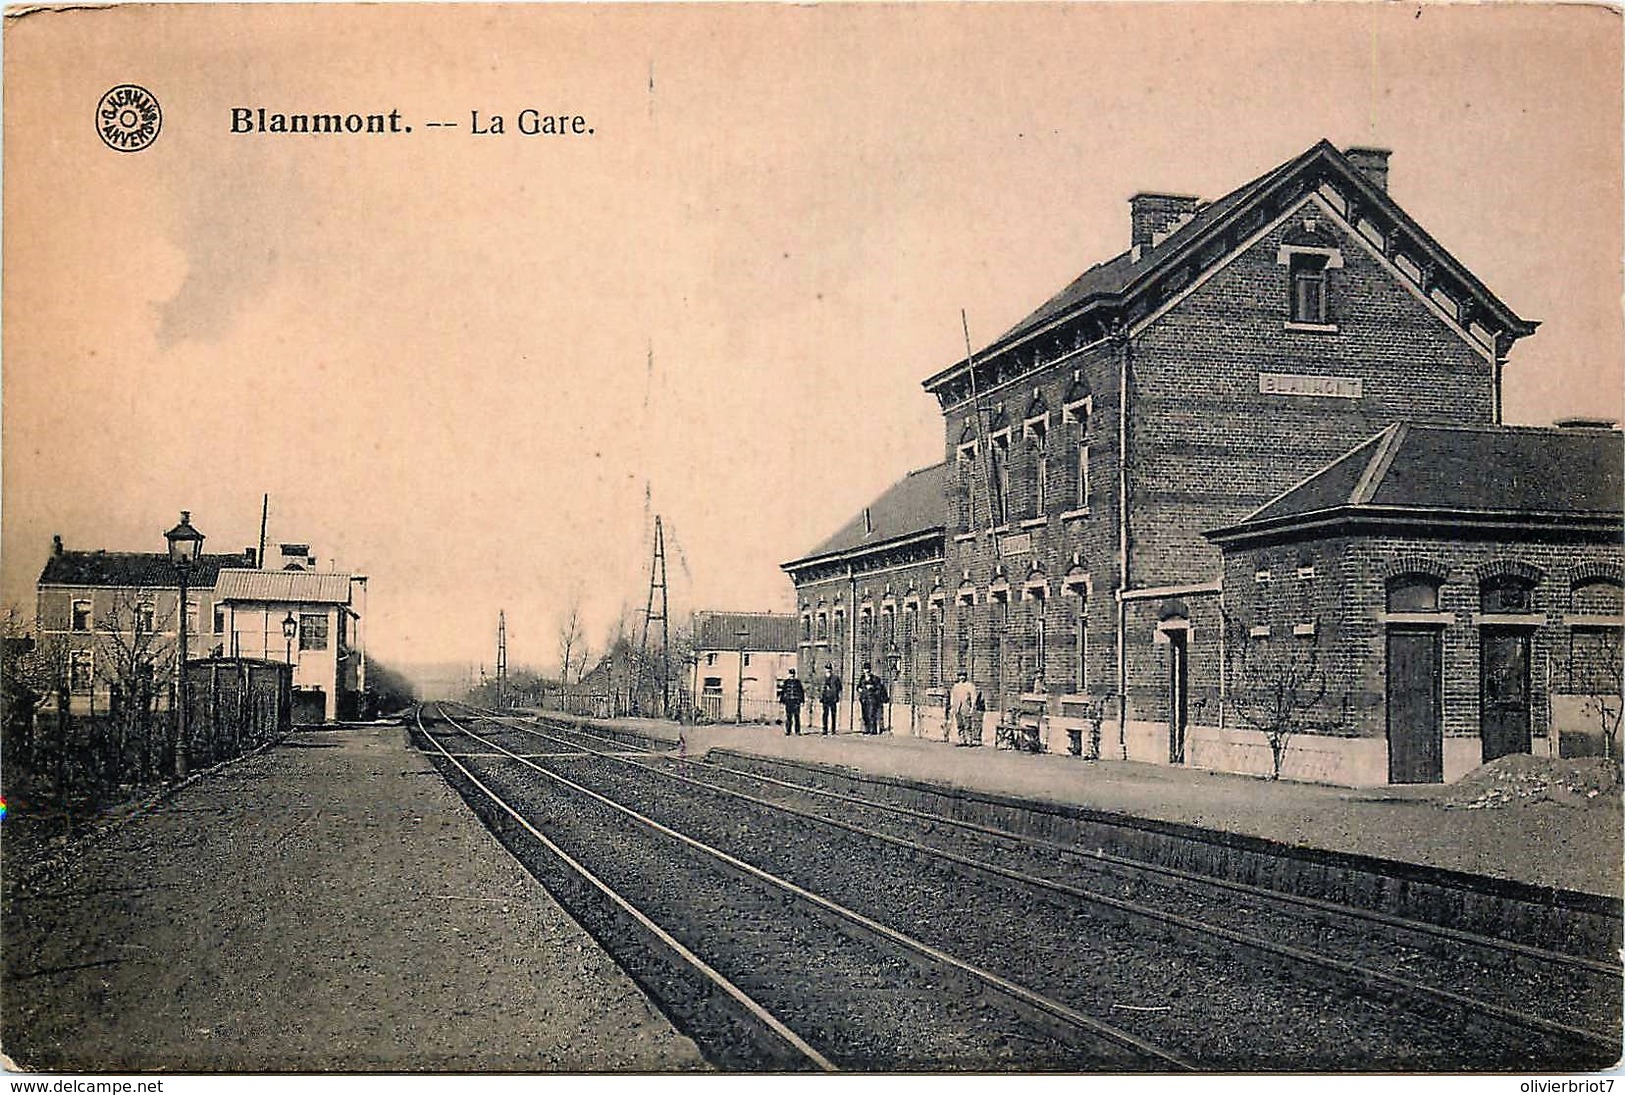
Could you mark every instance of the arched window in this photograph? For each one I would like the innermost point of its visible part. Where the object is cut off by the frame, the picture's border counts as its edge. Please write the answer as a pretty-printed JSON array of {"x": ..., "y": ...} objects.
[
  {"x": 1505, "y": 593},
  {"x": 1413, "y": 593},
  {"x": 1597, "y": 597}
]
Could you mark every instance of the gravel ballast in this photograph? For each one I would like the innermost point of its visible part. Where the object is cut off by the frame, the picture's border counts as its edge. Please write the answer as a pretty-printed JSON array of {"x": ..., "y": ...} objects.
[{"x": 327, "y": 905}]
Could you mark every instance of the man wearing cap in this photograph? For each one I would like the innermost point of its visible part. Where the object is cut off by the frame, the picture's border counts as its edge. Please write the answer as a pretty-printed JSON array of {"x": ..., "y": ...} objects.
[
  {"x": 831, "y": 697},
  {"x": 791, "y": 694}
]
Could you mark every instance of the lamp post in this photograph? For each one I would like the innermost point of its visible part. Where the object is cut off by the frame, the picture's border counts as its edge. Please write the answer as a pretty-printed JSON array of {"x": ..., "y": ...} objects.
[
  {"x": 894, "y": 664},
  {"x": 185, "y": 545},
  {"x": 290, "y": 631},
  {"x": 739, "y": 700}
]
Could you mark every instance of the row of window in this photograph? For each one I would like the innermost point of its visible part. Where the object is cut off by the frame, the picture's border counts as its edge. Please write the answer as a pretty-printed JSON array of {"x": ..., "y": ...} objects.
[
  {"x": 313, "y": 626},
  {"x": 1039, "y": 481},
  {"x": 891, "y": 643},
  {"x": 1505, "y": 594},
  {"x": 143, "y": 617}
]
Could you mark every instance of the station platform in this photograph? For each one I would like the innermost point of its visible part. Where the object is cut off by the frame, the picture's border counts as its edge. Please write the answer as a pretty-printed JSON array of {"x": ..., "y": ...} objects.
[
  {"x": 1565, "y": 841},
  {"x": 327, "y": 904}
]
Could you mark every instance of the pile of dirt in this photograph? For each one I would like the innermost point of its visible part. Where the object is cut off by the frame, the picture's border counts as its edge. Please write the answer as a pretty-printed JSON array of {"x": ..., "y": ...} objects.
[{"x": 1522, "y": 780}]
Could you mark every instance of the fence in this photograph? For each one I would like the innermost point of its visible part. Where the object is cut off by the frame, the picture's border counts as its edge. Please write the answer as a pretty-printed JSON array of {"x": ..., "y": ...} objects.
[
  {"x": 76, "y": 760},
  {"x": 236, "y": 705}
]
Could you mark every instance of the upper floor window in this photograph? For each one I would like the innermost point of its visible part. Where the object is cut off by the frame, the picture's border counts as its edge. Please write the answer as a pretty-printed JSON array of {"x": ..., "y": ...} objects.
[
  {"x": 1309, "y": 288},
  {"x": 1413, "y": 593},
  {"x": 1083, "y": 477},
  {"x": 964, "y": 466},
  {"x": 144, "y": 618},
  {"x": 81, "y": 615},
  {"x": 711, "y": 659},
  {"x": 313, "y": 631},
  {"x": 1001, "y": 478},
  {"x": 219, "y": 619}
]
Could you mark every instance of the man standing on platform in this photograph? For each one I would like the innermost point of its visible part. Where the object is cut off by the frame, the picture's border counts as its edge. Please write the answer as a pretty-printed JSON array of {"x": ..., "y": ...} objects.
[
  {"x": 964, "y": 711},
  {"x": 831, "y": 696},
  {"x": 791, "y": 694},
  {"x": 872, "y": 698}
]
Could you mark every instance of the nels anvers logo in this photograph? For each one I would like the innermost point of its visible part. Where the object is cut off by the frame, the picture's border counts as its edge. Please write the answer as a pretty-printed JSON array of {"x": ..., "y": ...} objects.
[{"x": 128, "y": 118}]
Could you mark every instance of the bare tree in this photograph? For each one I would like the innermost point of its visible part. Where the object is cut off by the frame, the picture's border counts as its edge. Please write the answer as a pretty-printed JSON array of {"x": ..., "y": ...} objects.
[
  {"x": 134, "y": 658},
  {"x": 1278, "y": 687},
  {"x": 22, "y": 686},
  {"x": 572, "y": 644},
  {"x": 1595, "y": 676}
]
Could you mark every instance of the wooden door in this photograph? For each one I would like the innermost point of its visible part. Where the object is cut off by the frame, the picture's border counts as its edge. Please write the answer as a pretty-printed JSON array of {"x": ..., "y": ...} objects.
[
  {"x": 1415, "y": 706},
  {"x": 1503, "y": 691}
]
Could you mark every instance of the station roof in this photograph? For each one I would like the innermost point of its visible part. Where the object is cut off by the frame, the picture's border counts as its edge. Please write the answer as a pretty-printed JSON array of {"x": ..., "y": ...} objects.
[
  {"x": 1112, "y": 284},
  {"x": 284, "y": 586},
  {"x": 909, "y": 507},
  {"x": 1504, "y": 474}
]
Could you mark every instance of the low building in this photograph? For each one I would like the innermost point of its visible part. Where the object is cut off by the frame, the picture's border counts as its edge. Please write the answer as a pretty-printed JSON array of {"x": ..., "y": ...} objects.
[
  {"x": 1433, "y": 600},
  {"x": 105, "y": 618},
  {"x": 883, "y": 569},
  {"x": 739, "y": 660},
  {"x": 309, "y": 619}
]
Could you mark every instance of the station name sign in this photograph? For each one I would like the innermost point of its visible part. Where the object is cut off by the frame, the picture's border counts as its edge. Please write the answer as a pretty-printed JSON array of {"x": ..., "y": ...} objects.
[
  {"x": 1020, "y": 543},
  {"x": 1338, "y": 387}
]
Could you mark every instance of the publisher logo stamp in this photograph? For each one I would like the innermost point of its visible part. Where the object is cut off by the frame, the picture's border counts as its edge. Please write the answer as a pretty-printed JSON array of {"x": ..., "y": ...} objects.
[{"x": 128, "y": 118}]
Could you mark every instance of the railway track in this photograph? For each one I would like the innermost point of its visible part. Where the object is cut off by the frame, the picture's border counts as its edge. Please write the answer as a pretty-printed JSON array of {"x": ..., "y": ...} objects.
[
  {"x": 762, "y": 972},
  {"x": 1335, "y": 977}
]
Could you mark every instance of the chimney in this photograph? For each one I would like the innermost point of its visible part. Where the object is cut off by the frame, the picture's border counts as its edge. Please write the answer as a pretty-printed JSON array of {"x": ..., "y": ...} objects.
[
  {"x": 56, "y": 545},
  {"x": 1154, "y": 216},
  {"x": 1372, "y": 163}
]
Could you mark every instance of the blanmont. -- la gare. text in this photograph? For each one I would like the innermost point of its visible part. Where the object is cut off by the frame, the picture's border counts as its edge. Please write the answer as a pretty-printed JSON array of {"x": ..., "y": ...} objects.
[{"x": 528, "y": 122}]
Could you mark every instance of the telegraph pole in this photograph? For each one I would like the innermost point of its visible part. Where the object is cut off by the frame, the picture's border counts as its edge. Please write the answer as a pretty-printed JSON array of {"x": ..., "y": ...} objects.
[
  {"x": 502, "y": 655},
  {"x": 657, "y": 584}
]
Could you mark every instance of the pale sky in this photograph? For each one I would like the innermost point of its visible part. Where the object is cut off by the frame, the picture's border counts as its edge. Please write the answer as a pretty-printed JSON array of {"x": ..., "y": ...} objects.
[{"x": 432, "y": 349}]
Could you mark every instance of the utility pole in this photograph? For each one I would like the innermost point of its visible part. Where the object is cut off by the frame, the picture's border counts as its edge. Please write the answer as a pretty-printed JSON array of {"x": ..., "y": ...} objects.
[
  {"x": 657, "y": 583},
  {"x": 502, "y": 655}
]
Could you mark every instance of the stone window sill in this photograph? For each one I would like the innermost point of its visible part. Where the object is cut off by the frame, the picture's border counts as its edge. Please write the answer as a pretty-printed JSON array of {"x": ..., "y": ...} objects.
[
  {"x": 1034, "y": 522},
  {"x": 1311, "y": 328},
  {"x": 1074, "y": 514}
]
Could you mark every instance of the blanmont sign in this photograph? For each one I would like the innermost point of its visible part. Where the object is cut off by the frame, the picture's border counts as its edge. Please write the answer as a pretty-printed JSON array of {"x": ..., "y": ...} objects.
[{"x": 1338, "y": 387}]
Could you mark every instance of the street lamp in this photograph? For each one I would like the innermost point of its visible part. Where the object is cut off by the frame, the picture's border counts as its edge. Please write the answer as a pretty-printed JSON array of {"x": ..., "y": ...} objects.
[
  {"x": 185, "y": 545},
  {"x": 739, "y": 700},
  {"x": 894, "y": 665},
  {"x": 290, "y": 629}
]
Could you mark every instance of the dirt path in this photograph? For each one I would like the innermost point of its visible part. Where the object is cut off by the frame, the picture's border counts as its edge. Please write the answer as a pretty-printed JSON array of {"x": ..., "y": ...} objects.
[{"x": 327, "y": 905}]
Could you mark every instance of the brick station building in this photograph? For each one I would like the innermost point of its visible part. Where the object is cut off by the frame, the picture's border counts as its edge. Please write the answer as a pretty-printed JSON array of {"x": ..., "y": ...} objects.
[{"x": 1235, "y": 349}]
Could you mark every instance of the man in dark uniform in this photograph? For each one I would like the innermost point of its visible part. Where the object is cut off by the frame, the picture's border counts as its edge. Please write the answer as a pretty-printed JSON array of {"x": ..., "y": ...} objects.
[
  {"x": 871, "y": 698},
  {"x": 791, "y": 694},
  {"x": 831, "y": 696}
]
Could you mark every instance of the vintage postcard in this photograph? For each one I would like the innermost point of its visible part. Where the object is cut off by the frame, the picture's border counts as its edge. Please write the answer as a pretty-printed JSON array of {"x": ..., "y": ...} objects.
[{"x": 875, "y": 538}]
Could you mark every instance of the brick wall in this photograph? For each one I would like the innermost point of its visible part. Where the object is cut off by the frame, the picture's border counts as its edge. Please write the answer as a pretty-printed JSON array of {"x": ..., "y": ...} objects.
[
  {"x": 1068, "y": 569},
  {"x": 1346, "y": 600},
  {"x": 1207, "y": 447}
]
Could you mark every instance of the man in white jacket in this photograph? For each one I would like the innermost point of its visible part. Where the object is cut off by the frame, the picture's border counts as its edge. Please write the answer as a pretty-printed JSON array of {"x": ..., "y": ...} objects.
[{"x": 965, "y": 711}]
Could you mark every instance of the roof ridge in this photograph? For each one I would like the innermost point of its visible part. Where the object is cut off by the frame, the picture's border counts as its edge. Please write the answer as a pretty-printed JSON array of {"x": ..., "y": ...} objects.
[{"x": 1380, "y": 462}]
